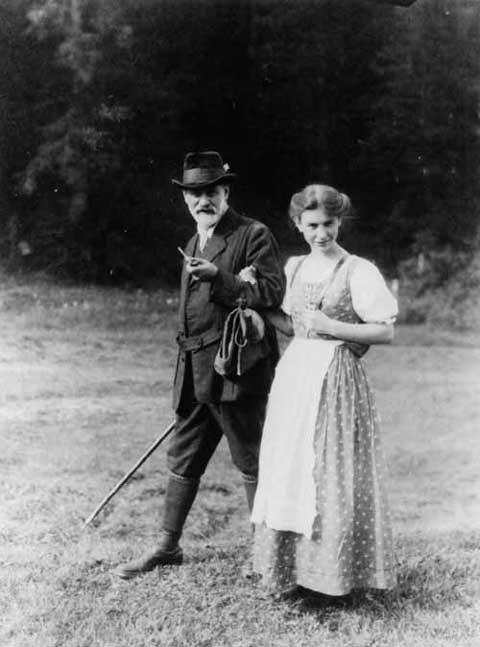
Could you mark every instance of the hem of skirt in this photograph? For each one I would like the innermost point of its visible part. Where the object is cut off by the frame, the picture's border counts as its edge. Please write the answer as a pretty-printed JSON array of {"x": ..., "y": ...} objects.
[
  {"x": 381, "y": 584},
  {"x": 277, "y": 526}
]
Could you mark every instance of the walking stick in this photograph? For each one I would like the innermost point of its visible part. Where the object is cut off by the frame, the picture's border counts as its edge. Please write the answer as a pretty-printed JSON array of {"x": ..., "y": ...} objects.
[{"x": 132, "y": 471}]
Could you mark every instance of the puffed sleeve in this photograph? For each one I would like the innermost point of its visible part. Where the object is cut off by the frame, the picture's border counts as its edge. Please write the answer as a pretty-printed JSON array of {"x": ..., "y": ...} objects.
[
  {"x": 290, "y": 267},
  {"x": 371, "y": 298}
]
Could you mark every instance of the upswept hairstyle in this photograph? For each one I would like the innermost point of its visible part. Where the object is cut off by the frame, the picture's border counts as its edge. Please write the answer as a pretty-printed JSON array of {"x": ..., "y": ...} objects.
[{"x": 319, "y": 196}]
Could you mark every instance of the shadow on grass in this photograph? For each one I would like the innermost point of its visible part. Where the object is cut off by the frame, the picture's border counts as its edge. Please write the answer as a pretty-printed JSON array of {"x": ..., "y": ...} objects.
[
  {"x": 432, "y": 583},
  {"x": 211, "y": 521}
]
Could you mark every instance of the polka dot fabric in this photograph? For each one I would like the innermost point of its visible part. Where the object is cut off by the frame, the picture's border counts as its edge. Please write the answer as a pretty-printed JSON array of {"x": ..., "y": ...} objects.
[{"x": 350, "y": 543}]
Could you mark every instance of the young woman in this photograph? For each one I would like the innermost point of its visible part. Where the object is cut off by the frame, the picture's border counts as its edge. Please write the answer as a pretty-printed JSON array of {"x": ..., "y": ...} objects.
[{"x": 321, "y": 515}]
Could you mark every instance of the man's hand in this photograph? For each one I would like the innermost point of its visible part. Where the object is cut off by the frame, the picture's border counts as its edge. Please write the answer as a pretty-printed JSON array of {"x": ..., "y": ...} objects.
[{"x": 201, "y": 270}]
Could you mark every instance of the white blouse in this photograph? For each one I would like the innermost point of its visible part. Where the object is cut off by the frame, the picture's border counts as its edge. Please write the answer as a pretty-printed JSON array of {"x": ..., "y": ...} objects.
[{"x": 371, "y": 298}]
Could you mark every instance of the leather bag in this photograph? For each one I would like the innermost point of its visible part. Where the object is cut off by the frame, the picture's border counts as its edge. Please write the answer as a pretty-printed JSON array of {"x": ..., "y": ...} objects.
[{"x": 243, "y": 342}]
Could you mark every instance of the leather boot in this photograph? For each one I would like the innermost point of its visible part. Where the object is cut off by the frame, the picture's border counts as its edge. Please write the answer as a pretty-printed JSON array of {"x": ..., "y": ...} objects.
[
  {"x": 179, "y": 497},
  {"x": 250, "y": 486}
]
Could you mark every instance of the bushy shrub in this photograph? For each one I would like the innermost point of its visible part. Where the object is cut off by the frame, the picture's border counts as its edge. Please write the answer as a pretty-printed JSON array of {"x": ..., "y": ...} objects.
[{"x": 441, "y": 288}]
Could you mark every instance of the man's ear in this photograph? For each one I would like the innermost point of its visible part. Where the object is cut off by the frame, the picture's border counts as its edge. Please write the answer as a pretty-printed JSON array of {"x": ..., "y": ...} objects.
[
  {"x": 227, "y": 191},
  {"x": 184, "y": 193}
]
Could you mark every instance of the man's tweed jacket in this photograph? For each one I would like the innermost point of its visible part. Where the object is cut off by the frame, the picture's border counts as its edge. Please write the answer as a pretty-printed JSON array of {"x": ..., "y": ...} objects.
[{"x": 236, "y": 242}]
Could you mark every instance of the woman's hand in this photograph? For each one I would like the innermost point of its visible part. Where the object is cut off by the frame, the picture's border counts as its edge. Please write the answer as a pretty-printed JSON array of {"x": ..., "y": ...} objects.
[
  {"x": 318, "y": 322},
  {"x": 364, "y": 333},
  {"x": 249, "y": 274}
]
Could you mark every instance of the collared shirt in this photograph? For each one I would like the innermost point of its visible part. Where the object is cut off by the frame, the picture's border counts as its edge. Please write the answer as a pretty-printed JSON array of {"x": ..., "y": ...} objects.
[{"x": 204, "y": 235}]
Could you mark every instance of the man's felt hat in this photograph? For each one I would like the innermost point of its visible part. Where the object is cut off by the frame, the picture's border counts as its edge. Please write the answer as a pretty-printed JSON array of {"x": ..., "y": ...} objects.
[{"x": 204, "y": 169}]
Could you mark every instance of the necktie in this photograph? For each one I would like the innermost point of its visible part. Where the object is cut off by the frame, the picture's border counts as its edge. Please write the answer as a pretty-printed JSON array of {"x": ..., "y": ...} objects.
[{"x": 202, "y": 239}]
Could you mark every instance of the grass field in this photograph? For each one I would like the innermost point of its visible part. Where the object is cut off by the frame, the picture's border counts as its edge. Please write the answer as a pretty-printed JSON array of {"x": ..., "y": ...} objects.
[{"x": 86, "y": 377}]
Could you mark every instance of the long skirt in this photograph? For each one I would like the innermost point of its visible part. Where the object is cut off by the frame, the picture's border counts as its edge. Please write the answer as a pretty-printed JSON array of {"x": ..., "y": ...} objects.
[{"x": 321, "y": 513}]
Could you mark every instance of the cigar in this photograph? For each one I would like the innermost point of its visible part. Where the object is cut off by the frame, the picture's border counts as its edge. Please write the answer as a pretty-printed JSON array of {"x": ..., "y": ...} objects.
[
  {"x": 187, "y": 258},
  {"x": 190, "y": 259}
]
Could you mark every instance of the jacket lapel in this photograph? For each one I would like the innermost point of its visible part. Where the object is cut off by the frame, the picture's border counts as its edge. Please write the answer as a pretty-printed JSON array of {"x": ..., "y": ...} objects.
[
  {"x": 185, "y": 276},
  {"x": 214, "y": 247},
  {"x": 218, "y": 241},
  {"x": 192, "y": 243}
]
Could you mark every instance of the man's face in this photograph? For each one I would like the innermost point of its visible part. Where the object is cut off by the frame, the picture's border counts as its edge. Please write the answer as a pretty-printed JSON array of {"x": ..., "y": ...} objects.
[{"x": 207, "y": 205}]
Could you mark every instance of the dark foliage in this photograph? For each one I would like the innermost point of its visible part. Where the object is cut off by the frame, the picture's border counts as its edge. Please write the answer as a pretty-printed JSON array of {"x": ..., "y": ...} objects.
[{"x": 102, "y": 98}]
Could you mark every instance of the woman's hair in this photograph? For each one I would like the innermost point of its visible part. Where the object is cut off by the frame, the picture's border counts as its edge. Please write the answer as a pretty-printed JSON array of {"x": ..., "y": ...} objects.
[{"x": 319, "y": 196}]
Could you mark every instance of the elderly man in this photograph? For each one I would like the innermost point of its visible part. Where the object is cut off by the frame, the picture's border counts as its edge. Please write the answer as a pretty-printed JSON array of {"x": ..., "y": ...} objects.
[{"x": 207, "y": 404}]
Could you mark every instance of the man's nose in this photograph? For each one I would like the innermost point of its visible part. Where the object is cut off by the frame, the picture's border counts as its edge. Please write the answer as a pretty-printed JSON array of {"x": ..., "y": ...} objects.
[{"x": 203, "y": 198}]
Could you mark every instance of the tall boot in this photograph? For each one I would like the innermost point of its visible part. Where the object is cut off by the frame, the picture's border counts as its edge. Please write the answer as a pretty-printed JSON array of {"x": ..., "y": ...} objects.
[
  {"x": 250, "y": 486},
  {"x": 180, "y": 494}
]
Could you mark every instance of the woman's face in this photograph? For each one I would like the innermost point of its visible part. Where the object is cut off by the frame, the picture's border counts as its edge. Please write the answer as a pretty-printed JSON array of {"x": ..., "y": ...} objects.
[{"x": 319, "y": 230}]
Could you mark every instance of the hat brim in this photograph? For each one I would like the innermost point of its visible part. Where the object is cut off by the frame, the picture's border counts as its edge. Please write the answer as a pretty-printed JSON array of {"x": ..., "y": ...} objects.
[{"x": 225, "y": 178}]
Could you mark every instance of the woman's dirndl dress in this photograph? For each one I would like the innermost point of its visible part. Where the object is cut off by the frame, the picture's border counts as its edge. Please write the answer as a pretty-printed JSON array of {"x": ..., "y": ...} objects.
[{"x": 321, "y": 514}]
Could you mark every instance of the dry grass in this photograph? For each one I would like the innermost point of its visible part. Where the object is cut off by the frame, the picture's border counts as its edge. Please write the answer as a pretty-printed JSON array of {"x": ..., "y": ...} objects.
[{"x": 86, "y": 379}]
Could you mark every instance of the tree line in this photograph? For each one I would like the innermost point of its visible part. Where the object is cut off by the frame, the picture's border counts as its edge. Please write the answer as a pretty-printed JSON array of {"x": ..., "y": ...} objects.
[{"x": 101, "y": 99}]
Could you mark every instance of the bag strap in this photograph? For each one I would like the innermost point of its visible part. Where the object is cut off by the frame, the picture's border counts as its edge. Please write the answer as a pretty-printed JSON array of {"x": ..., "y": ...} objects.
[
  {"x": 228, "y": 328},
  {"x": 234, "y": 331}
]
